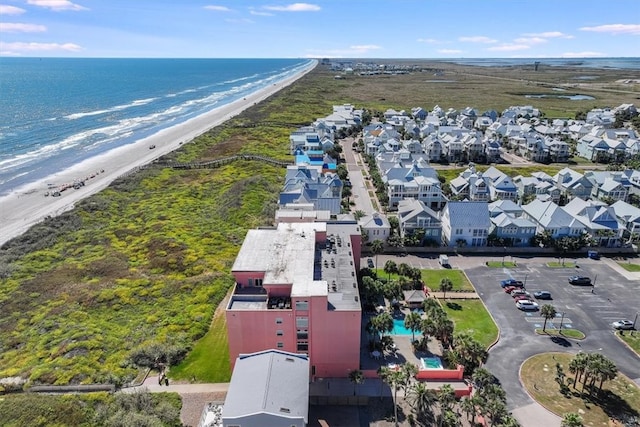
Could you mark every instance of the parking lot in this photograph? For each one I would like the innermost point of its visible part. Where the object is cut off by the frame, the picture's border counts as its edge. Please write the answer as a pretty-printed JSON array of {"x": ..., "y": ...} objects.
[{"x": 614, "y": 297}]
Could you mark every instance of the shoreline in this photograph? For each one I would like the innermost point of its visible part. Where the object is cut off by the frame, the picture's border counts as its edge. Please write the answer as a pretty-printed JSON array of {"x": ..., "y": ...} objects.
[{"x": 28, "y": 205}]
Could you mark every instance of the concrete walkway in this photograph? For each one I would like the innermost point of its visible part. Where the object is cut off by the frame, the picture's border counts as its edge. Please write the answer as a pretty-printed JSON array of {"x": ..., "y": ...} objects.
[{"x": 151, "y": 385}]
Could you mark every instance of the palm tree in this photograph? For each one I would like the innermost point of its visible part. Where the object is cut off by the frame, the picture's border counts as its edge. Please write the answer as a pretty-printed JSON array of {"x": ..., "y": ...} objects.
[
  {"x": 404, "y": 269},
  {"x": 468, "y": 352},
  {"x": 445, "y": 285},
  {"x": 394, "y": 378},
  {"x": 390, "y": 267},
  {"x": 446, "y": 397},
  {"x": 377, "y": 247},
  {"x": 468, "y": 406},
  {"x": 577, "y": 366},
  {"x": 571, "y": 419},
  {"x": 548, "y": 312},
  {"x": 481, "y": 378},
  {"x": 431, "y": 305},
  {"x": 412, "y": 321},
  {"x": 383, "y": 323},
  {"x": 422, "y": 399},
  {"x": 356, "y": 377}
]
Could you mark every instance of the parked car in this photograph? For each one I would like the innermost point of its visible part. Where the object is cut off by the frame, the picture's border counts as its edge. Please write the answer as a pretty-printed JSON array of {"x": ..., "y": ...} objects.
[
  {"x": 593, "y": 254},
  {"x": 527, "y": 305},
  {"x": 580, "y": 280},
  {"x": 511, "y": 282},
  {"x": 519, "y": 292},
  {"x": 522, "y": 297},
  {"x": 542, "y": 295},
  {"x": 443, "y": 260},
  {"x": 370, "y": 263},
  {"x": 510, "y": 289},
  {"x": 623, "y": 324}
]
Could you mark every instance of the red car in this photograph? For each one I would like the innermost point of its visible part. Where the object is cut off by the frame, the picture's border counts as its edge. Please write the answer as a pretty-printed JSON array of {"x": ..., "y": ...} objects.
[
  {"x": 521, "y": 297},
  {"x": 510, "y": 289}
]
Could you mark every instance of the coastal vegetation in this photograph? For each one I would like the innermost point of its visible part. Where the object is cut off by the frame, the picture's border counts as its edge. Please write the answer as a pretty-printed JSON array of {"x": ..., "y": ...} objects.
[
  {"x": 140, "y": 268},
  {"x": 91, "y": 409},
  {"x": 564, "y": 383}
]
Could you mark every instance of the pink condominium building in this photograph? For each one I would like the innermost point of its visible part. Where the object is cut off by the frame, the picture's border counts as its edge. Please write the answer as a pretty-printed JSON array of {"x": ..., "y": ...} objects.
[{"x": 297, "y": 291}]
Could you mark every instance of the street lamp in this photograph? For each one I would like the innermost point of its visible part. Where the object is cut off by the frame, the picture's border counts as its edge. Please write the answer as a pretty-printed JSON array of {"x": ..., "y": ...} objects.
[
  {"x": 561, "y": 320},
  {"x": 525, "y": 279},
  {"x": 593, "y": 285},
  {"x": 504, "y": 253},
  {"x": 634, "y": 321}
]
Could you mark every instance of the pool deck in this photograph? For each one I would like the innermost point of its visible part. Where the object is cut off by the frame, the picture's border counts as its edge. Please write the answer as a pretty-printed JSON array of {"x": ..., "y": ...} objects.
[{"x": 404, "y": 351}]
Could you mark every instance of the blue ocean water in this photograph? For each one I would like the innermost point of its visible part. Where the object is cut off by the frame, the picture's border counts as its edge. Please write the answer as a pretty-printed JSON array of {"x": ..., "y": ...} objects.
[
  {"x": 630, "y": 63},
  {"x": 56, "y": 112}
]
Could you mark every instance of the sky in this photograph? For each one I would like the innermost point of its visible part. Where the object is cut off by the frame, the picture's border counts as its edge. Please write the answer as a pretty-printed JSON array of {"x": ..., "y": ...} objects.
[{"x": 320, "y": 29}]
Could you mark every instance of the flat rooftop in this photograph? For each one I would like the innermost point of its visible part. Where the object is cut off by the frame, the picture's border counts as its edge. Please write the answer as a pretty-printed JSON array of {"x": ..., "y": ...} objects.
[{"x": 290, "y": 255}]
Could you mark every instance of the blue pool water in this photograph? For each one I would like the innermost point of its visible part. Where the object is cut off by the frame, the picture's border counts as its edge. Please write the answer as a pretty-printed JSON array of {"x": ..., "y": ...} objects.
[
  {"x": 431, "y": 363},
  {"x": 399, "y": 329}
]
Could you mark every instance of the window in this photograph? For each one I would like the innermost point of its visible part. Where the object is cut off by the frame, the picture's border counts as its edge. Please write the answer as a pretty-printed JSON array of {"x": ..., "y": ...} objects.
[
  {"x": 302, "y": 322},
  {"x": 302, "y": 335},
  {"x": 302, "y": 305},
  {"x": 279, "y": 332},
  {"x": 278, "y": 320},
  {"x": 303, "y": 346},
  {"x": 280, "y": 345}
]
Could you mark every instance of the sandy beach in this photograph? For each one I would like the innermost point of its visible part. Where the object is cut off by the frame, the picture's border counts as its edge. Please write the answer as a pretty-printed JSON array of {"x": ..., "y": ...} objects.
[{"x": 29, "y": 205}]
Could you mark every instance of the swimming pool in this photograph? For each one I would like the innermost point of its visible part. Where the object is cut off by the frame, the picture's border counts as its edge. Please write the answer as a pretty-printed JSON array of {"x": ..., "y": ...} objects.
[
  {"x": 431, "y": 362},
  {"x": 399, "y": 329}
]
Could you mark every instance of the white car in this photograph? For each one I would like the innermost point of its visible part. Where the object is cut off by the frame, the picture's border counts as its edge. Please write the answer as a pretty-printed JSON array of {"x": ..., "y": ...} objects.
[
  {"x": 526, "y": 305},
  {"x": 623, "y": 324}
]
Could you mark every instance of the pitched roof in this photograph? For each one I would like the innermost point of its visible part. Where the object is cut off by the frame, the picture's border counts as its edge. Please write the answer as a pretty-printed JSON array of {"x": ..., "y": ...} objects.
[
  {"x": 269, "y": 382},
  {"x": 468, "y": 214}
]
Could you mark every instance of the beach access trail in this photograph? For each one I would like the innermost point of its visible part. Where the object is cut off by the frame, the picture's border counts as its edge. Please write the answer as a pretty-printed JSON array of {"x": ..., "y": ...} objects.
[{"x": 27, "y": 206}]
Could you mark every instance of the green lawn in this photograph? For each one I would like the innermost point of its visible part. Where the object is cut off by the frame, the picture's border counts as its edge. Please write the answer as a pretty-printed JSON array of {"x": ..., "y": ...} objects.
[
  {"x": 556, "y": 264},
  {"x": 208, "y": 362},
  {"x": 472, "y": 316},
  {"x": 569, "y": 333},
  {"x": 620, "y": 397},
  {"x": 633, "y": 340},
  {"x": 634, "y": 268},
  {"x": 460, "y": 282}
]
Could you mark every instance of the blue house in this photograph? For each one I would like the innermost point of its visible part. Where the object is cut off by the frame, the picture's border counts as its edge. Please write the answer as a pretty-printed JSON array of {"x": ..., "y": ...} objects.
[{"x": 465, "y": 223}]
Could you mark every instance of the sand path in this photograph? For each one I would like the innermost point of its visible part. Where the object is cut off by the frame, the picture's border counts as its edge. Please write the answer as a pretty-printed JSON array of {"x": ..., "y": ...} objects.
[{"x": 28, "y": 206}]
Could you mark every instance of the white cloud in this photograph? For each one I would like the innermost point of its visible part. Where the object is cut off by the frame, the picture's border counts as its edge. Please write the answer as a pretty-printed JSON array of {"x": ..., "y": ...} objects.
[
  {"x": 508, "y": 47},
  {"x": 10, "y": 27},
  {"x": 17, "y": 47},
  {"x": 549, "y": 35},
  {"x": 57, "y": 5},
  {"x": 477, "y": 39},
  {"x": 633, "y": 29},
  {"x": 295, "y": 7},
  {"x": 218, "y": 8},
  {"x": 449, "y": 51},
  {"x": 429, "y": 41},
  {"x": 586, "y": 54},
  {"x": 530, "y": 40},
  {"x": 10, "y": 10},
  {"x": 259, "y": 13}
]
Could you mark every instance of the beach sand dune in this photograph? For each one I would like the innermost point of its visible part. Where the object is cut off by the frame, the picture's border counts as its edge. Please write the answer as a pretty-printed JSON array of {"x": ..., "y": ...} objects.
[{"x": 25, "y": 207}]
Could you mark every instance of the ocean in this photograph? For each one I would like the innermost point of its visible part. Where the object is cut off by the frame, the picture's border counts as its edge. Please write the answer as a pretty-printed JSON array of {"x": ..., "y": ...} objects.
[
  {"x": 56, "y": 112},
  {"x": 626, "y": 63}
]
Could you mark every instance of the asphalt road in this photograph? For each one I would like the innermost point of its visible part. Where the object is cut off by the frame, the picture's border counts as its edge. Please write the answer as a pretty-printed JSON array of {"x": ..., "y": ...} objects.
[{"x": 614, "y": 297}]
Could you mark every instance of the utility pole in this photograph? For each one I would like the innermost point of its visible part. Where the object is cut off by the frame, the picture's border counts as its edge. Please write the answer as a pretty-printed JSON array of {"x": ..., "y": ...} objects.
[{"x": 561, "y": 320}]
